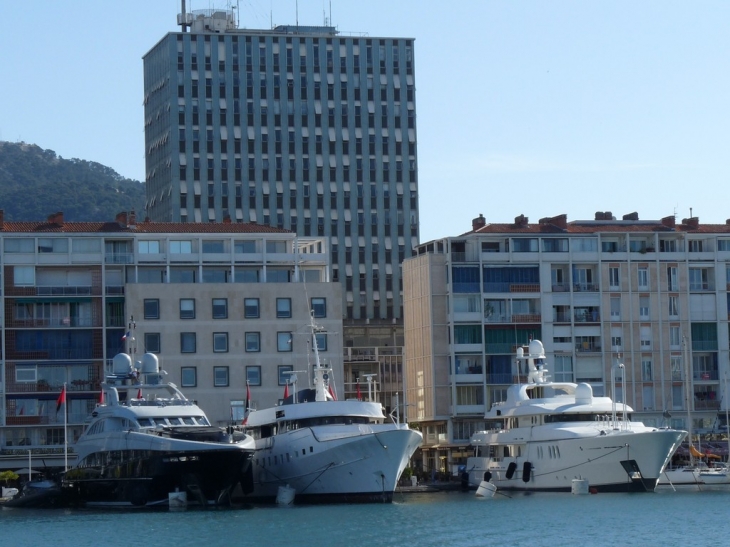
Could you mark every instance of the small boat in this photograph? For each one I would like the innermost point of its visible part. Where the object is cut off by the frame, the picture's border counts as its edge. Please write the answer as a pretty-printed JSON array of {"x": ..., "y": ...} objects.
[
  {"x": 326, "y": 450},
  {"x": 38, "y": 494},
  {"x": 546, "y": 434},
  {"x": 146, "y": 440}
]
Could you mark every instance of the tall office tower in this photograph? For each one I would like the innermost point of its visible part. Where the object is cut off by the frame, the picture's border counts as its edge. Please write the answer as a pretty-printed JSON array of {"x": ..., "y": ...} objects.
[{"x": 296, "y": 127}]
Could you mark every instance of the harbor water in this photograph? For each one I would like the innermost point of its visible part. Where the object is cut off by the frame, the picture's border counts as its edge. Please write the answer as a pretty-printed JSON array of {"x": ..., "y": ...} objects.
[{"x": 665, "y": 517}]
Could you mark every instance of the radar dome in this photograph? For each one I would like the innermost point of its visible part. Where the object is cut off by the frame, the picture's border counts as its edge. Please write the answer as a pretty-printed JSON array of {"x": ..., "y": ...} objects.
[
  {"x": 122, "y": 364},
  {"x": 536, "y": 348},
  {"x": 584, "y": 394},
  {"x": 150, "y": 364}
]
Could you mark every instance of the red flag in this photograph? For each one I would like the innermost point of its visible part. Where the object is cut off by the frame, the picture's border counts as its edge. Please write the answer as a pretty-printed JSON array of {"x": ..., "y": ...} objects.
[
  {"x": 286, "y": 390},
  {"x": 139, "y": 393},
  {"x": 61, "y": 399},
  {"x": 245, "y": 408},
  {"x": 334, "y": 397},
  {"x": 359, "y": 396}
]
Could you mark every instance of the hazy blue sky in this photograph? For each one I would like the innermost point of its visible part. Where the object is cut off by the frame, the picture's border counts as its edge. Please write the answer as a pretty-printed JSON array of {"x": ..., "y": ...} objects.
[{"x": 524, "y": 107}]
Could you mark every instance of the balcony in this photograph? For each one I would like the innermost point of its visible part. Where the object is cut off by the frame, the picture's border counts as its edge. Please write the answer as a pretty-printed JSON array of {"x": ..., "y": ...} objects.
[
  {"x": 561, "y": 287},
  {"x": 704, "y": 345},
  {"x": 499, "y": 378},
  {"x": 705, "y": 375},
  {"x": 119, "y": 258},
  {"x": 585, "y": 287},
  {"x": 587, "y": 347}
]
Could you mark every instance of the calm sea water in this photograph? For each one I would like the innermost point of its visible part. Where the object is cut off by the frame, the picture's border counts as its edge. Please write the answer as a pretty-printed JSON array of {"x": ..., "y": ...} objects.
[{"x": 666, "y": 517}]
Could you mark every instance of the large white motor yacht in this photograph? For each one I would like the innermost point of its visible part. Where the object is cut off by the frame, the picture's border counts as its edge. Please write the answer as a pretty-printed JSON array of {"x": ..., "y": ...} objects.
[
  {"x": 547, "y": 434},
  {"x": 326, "y": 450}
]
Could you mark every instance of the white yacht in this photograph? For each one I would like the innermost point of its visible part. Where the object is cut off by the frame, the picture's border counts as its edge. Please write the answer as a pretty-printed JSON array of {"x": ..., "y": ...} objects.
[
  {"x": 319, "y": 449},
  {"x": 146, "y": 440},
  {"x": 547, "y": 434}
]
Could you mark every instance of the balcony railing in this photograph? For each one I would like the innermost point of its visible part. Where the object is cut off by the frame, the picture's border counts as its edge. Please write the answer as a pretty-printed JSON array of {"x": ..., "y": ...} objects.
[
  {"x": 588, "y": 317},
  {"x": 704, "y": 345},
  {"x": 64, "y": 291},
  {"x": 587, "y": 347},
  {"x": 705, "y": 375},
  {"x": 562, "y": 317},
  {"x": 585, "y": 287},
  {"x": 119, "y": 258}
]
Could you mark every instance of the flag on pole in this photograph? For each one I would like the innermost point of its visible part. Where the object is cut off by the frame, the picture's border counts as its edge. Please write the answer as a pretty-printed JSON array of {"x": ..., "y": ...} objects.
[
  {"x": 126, "y": 335},
  {"x": 286, "y": 390},
  {"x": 61, "y": 399},
  {"x": 245, "y": 408},
  {"x": 332, "y": 393},
  {"x": 359, "y": 395}
]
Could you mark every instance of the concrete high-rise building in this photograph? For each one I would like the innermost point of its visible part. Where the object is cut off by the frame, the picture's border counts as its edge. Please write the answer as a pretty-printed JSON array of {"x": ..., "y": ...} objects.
[
  {"x": 653, "y": 295},
  {"x": 297, "y": 127}
]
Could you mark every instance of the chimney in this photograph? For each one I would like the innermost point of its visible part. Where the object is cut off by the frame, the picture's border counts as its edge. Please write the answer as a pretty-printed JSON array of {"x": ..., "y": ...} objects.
[
  {"x": 521, "y": 221},
  {"x": 692, "y": 223},
  {"x": 668, "y": 222},
  {"x": 631, "y": 216},
  {"x": 56, "y": 218},
  {"x": 132, "y": 218},
  {"x": 479, "y": 222},
  {"x": 121, "y": 218},
  {"x": 227, "y": 219},
  {"x": 2, "y": 219}
]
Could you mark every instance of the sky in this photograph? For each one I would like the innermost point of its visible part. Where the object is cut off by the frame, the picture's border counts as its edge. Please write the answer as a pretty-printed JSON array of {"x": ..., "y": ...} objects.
[{"x": 523, "y": 107}]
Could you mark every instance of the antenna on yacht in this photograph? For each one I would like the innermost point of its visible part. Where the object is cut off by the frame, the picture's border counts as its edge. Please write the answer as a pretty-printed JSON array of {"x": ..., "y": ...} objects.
[{"x": 369, "y": 378}]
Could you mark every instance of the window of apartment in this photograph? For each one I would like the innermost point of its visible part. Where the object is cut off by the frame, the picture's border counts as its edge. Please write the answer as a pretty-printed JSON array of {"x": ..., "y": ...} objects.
[
  {"x": 646, "y": 372},
  {"x": 52, "y": 245},
  {"x": 555, "y": 245},
  {"x": 181, "y": 247},
  {"x": 695, "y": 246},
  {"x": 525, "y": 245},
  {"x": 614, "y": 281},
  {"x": 19, "y": 245},
  {"x": 616, "y": 342},
  {"x": 86, "y": 245},
  {"x": 253, "y": 375},
  {"x": 563, "y": 368},
  {"x": 584, "y": 244},
  {"x": 152, "y": 342},
  {"x": 23, "y": 275},
  {"x": 673, "y": 306},
  {"x": 675, "y": 363},
  {"x": 675, "y": 338},
  {"x": 25, "y": 374},
  {"x": 284, "y": 375},
  {"x": 220, "y": 342},
  {"x": 643, "y": 274},
  {"x": 187, "y": 308},
  {"x": 644, "y": 307},
  {"x": 699, "y": 279},
  {"x": 275, "y": 246},
  {"x": 283, "y": 341},
  {"x": 187, "y": 342},
  {"x": 148, "y": 247},
  {"x": 283, "y": 308},
  {"x": 253, "y": 341},
  {"x": 188, "y": 376},
  {"x": 319, "y": 307},
  {"x": 615, "y": 307},
  {"x": 723, "y": 244},
  {"x": 672, "y": 279},
  {"x": 213, "y": 247},
  {"x": 645, "y": 337},
  {"x": 251, "y": 308},
  {"x": 321, "y": 340},
  {"x": 220, "y": 308},
  {"x": 244, "y": 247},
  {"x": 220, "y": 376},
  {"x": 151, "y": 308}
]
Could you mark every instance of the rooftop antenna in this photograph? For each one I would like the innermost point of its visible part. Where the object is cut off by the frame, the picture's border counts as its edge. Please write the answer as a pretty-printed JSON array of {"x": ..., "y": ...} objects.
[
  {"x": 297, "y": 14},
  {"x": 690, "y": 212}
]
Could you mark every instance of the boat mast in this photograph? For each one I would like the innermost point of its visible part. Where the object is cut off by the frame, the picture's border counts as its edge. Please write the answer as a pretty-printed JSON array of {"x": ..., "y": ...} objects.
[{"x": 687, "y": 399}]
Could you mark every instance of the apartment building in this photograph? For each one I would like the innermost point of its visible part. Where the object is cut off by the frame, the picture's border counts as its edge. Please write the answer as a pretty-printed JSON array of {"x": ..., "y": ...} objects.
[
  {"x": 651, "y": 295},
  {"x": 221, "y": 303}
]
